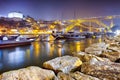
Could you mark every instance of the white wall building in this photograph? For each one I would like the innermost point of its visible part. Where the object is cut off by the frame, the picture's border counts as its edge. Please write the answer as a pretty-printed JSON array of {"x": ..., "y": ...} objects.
[{"x": 15, "y": 15}]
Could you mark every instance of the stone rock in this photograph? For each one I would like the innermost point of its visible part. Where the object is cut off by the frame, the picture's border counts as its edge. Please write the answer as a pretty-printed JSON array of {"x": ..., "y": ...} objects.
[
  {"x": 112, "y": 40},
  {"x": 93, "y": 61},
  {"x": 75, "y": 76},
  {"x": 84, "y": 57},
  {"x": 117, "y": 38},
  {"x": 63, "y": 76},
  {"x": 113, "y": 56},
  {"x": 97, "y": 48},
  {"x": 114, "y": 48},
  {"x": 30, "y": 73},
  {"x": 114, "y": 44},
  {"x": 101, "y": 69},
  {"x": 94, "y": 51},
  {"x": 63, "y": 64}
]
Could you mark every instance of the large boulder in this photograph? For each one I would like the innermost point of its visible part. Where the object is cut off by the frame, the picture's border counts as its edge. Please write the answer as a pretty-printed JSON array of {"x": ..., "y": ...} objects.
[
  {"x": 114, "y": 48},
  {"x": 97, "y": 48},
  {"x": 63, "y": 76},
  {"x": 117, "y": 38},
  {"x": 113, "y": 56},
  {"x": 84, "y": 57},
  {"x": 101, "y": 69},
  {"x": 112, "y": 52},
  {"x": 30, "y": 73},
  {"x": 75, "y": 76},
  {"x": 64, "y": 64}
]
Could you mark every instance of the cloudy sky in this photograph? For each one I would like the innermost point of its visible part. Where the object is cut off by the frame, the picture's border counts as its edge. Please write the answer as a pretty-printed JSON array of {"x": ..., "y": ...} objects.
[{"x": 61, "y": 9}]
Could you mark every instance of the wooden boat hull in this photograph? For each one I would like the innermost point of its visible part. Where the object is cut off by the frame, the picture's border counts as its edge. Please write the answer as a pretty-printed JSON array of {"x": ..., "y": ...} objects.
[{"x": 6, "y": 44}]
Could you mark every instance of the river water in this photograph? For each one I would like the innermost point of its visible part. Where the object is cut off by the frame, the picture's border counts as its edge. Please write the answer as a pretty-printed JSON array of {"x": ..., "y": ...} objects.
[{"x": 39, "y": 52}]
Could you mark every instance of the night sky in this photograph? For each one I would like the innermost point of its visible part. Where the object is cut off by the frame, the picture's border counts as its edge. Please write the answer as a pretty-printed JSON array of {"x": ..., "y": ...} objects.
[{"x": 61, "y": 9}]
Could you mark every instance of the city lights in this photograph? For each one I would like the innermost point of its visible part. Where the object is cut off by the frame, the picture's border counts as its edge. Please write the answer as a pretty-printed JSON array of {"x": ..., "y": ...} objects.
[{"x": 59, "y": 39}]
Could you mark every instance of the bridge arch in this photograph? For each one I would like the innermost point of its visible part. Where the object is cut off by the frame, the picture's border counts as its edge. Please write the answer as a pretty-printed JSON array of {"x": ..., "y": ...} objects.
[{"x": 80, "y": 23}]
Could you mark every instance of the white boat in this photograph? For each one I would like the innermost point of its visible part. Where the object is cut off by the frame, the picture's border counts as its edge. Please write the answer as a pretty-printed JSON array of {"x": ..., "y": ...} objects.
[
  {"x": 73, "y": 35},
  {"x": 12, "y": 43},
  {"x": 97, "y": 35},
  {"x": 8, "y": 37},
  {"x": 58, "y": 35}
]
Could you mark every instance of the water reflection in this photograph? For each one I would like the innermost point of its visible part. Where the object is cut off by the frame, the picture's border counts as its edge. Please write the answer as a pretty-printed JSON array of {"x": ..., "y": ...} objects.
[
  {"x": 12, "y": 57},
  {"x": 36, "y": 49},
  {"x": 16, "y": 57},
  {"x": 39, "y": 52}
]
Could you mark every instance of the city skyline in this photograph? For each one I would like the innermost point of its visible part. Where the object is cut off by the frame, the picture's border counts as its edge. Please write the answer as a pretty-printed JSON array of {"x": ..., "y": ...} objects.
[{"x": 61, "y": 9}]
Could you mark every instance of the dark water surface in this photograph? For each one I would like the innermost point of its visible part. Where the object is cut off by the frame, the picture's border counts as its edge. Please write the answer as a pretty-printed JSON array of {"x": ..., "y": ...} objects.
[{"x": 39, "y": 52}]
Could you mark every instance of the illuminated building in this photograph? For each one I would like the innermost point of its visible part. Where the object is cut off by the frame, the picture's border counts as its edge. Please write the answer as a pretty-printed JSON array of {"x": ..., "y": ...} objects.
[{"x": 16, "y": 16}]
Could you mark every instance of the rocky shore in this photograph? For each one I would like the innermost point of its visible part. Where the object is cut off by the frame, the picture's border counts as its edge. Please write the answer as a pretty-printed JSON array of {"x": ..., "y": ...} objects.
[{"x": 100, "y": 61}]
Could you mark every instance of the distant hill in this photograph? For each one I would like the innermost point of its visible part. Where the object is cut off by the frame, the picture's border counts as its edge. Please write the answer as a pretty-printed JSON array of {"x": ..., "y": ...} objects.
[{"x": 9, "y": 23}]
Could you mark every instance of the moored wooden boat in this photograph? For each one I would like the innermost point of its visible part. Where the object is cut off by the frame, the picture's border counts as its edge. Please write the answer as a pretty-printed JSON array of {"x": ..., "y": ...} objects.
[{"x": 6, "y": 44}]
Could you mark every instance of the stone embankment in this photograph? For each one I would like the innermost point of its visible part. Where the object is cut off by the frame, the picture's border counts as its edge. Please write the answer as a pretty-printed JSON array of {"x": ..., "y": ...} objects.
[{"x": 100, "y": 61}]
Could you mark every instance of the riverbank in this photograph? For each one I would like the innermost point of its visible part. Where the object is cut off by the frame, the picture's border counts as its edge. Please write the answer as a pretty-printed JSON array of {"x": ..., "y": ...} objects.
[{"x": 99, "y": 61}]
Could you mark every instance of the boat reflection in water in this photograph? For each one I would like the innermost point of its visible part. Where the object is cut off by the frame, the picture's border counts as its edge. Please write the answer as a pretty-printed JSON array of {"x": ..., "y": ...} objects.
[{"x": 39, "y": 52}]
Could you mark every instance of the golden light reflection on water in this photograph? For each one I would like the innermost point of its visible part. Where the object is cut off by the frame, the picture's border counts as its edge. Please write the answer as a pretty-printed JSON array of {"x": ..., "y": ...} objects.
[
  {"x": 89, "y": 41},
  {"x": 51, "y": 49},
  {"x": 78, "y": 46},
  {"x": 28, "y": 53},
  {"x": 100, "y": 40},
  {"x": 36, "y": 47},
  {"x": 59, "y": 51}
]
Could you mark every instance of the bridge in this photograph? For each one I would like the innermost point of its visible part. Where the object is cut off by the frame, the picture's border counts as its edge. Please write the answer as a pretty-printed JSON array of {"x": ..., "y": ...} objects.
[{"x": 92, "y": 24}]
